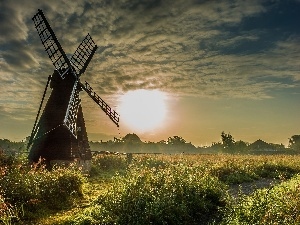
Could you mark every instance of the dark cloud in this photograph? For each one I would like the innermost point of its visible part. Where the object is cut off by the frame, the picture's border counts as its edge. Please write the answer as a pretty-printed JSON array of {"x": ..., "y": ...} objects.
[
  {"x": 199, "y": 48},
  {"x": 18, "y": 55},
  {"x": 12, "y": 27},
  {"x": 143, "y": 4},
  {"x": 231, "y": 49}
]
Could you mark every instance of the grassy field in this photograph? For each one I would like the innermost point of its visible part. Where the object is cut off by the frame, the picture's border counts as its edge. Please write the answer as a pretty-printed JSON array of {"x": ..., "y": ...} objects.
[{"x": 153, "y": 189}]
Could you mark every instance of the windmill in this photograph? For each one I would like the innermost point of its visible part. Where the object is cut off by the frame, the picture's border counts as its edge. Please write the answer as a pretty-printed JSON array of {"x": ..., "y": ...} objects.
[{"x": 59, "y": 132}]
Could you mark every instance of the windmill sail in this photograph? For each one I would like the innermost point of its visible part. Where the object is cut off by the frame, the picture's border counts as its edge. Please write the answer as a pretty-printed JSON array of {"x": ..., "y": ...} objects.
[
  {"x": 51, "y": 44},
  {"x": 70, "y": 120},
  {"x": 36, "y": 125},
  {"x": 103, "y": 105},
  {"x": 83, "y": 55}
]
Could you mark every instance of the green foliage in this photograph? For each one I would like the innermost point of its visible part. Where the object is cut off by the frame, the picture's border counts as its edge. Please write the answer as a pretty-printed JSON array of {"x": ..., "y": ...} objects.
[
  {"x": 234, "y": 172},
  {"x": 236, "y": 169},
  {"x": 34, "y": 188},
  {"x": 150, "y": 162},
  {"x": 18, "y": 185},
  {"x": 91, "y": 215},
  {"x": 157, "y": 189},
  {"x": 278, "y": 205},
  {"x": 103, "y": 162},
  {"x": 276, "y": 170},
  {"x": 174, "y": 195},
  {"x": 60, "y": 186}
]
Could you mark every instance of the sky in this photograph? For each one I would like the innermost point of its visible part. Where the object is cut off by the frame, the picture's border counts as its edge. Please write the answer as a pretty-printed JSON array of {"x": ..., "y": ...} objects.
[{"x": 228, "y": 65}]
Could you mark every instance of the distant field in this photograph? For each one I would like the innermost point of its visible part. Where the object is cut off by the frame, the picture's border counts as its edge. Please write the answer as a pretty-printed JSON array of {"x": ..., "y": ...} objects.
[{"x": 154, "y": 189}]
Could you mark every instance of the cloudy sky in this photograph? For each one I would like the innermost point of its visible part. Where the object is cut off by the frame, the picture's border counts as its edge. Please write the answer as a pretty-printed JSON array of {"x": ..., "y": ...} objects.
[{"x": 230, "y": 65}]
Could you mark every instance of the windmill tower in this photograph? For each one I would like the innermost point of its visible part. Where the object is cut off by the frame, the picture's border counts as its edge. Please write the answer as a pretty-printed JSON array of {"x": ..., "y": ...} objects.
[{"x": 59, "y": 132}]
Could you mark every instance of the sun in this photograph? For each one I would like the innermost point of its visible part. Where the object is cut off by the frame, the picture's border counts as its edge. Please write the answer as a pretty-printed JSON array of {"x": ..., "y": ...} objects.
[{"x": 143, "y": 110}]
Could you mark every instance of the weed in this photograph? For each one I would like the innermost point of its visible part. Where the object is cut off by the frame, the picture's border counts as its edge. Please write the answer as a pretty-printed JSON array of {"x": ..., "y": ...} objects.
[{"x": 8, "y": 212}]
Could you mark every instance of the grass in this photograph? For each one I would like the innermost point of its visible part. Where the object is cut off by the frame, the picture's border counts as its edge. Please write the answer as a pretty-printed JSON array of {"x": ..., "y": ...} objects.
[
  {"x": 153, "y": 189},
  {"x": 276, "y": 205}
]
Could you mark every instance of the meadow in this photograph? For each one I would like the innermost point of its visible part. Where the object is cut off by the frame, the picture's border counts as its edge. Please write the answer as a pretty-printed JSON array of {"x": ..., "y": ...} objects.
[{"x": 153, "y": 189}]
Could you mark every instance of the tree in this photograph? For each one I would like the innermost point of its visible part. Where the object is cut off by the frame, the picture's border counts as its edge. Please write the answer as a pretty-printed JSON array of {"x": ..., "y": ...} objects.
[
  {"x": 294, "y": 142},
  {"x": 227, "y": 140},
  {"x": 176, "y": 140},
  {"x": 240, "y": 146},
  {"x": 132, "y": 139},
  {"x": 216, "y": 146}
]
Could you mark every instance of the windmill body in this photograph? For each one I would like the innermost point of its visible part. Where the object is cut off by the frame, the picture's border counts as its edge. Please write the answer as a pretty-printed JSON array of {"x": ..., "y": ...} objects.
[
  {"x": 59, "y": 133},
  {"x": 53, "y": 140}
]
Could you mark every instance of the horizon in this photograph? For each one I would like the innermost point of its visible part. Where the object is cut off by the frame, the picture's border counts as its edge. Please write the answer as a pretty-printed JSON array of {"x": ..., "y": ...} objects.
[{"x": 204, "y": 66}]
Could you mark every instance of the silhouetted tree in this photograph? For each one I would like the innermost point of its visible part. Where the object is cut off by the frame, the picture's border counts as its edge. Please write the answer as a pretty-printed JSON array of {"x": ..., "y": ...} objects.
[
  {"x": 216, "y": 146},
  {"x": 294, "y": 142},
  {"x": 162, "y": 142},
  {"x": 240, "y": 146},
  {"x": 132, "y": 138},
  {"x": 227, "y": 140},
  {"x": 176, "y": 140}
]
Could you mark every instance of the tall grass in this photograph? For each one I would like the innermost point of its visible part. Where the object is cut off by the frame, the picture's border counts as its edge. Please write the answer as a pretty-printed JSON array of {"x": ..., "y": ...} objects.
[
  {"x": 276, "y": 205},
  {"x": 108, "y": 163},
  {"x": 173, "y": 195},
  {"x": 33, "y": 189},
  {"x": 152, "y": 189},
  {"x": 8, "y": 213}
]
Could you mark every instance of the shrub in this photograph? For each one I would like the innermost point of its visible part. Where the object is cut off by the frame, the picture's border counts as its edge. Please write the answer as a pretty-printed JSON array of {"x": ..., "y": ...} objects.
[
  {"x": 276, "y": 170},
  {"x": 18, "y": 185},
  {"x": 33, "y": 187},
  {"x": 175, "y": 195},
  {"x": 60, "y": 186}
]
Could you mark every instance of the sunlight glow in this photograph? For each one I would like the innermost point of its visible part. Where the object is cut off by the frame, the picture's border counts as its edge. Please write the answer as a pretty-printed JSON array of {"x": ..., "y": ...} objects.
[{"x": 143, "y": 110}]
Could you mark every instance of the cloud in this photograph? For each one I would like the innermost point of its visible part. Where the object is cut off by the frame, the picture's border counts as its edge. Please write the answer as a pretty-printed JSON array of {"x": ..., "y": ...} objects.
[
  {"x": 18, "y": 56},
  {"x": 186, "y": 47},
  {"x": 12, "y": 25}
]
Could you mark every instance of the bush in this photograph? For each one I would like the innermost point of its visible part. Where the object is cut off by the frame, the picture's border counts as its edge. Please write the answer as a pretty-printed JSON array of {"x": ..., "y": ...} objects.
[
  {"x": 18, "y": 185},
  {"x": 278, "y": 205},
  {"x": 276, "y": 170},
  {"x": 33, "y": 187},
  {"x": 175, "y": 195},
  {"x": 60, "y": 186}
]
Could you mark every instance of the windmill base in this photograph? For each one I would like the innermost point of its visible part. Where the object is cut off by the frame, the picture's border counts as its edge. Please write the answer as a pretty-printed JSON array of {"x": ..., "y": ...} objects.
[{"x": 85, "y": 165}]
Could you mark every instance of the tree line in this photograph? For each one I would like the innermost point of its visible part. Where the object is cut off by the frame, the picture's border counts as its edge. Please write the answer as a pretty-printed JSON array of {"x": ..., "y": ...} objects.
[{"x": 175, "y": 144}]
